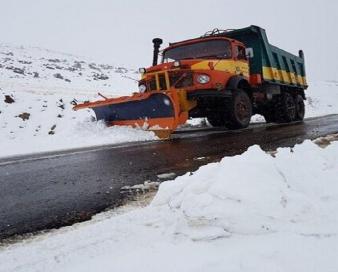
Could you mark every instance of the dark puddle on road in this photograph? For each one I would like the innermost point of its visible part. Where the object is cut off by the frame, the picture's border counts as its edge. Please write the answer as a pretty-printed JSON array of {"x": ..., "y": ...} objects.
[{"x": 131, "y": 197}]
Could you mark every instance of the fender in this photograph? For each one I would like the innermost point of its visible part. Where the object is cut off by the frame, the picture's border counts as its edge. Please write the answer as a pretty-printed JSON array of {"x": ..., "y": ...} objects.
[{"x": 236, "y": 82}]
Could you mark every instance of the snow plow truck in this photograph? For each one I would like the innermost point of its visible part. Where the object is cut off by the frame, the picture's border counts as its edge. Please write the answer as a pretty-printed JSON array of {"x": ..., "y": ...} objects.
[{"x": 225, "y": 76}]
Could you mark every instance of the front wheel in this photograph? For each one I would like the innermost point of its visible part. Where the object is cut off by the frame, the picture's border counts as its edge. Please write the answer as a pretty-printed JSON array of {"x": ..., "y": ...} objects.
[{"x": 238, "y": 110}]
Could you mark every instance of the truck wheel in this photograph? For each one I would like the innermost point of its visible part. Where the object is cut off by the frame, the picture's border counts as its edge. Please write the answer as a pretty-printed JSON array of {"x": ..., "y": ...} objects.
[
  {"x": 300, "y": 108},
  {"x": 285, "y": 108},
  {"x": 216, "y": 120},
  {"x": 238, "y": 110}
]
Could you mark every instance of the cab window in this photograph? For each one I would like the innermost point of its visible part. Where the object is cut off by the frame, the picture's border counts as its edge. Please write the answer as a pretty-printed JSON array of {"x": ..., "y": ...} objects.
[{"x": 240, "y": 50}]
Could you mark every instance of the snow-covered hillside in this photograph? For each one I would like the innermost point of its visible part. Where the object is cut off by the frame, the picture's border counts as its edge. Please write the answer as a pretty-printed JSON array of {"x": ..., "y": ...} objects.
[
  {"x": 253, "y": 212},
  {"x": 36, "y": 69},
  {"x": 38, "y": 88}
]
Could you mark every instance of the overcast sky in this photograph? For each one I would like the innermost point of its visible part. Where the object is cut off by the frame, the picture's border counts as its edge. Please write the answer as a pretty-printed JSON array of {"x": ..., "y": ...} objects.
[{"x": 120, "y": 32}]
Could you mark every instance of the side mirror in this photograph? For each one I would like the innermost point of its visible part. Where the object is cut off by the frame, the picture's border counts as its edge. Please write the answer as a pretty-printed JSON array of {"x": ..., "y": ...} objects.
[{"x": 249, "y": 53}]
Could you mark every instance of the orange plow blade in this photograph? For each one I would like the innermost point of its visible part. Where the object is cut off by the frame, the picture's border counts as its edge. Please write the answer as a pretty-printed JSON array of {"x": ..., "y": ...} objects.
[{"x": 156, "y": 111}]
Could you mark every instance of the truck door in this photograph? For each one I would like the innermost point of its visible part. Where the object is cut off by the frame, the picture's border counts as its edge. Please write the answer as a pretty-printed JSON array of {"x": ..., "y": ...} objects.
[{"x": 241, "y": 62}]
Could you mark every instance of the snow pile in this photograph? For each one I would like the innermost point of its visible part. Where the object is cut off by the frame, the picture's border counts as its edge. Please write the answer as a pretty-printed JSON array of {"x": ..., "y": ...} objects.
[
  {"x": 46, "y": 122},
  {"x": 247, "y": 213},
  {"x": 255, "y": 194}
]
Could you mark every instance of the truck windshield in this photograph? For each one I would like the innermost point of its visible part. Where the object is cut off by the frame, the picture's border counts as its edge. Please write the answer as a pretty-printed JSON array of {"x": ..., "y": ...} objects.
[{"x": 204, "y": 49}]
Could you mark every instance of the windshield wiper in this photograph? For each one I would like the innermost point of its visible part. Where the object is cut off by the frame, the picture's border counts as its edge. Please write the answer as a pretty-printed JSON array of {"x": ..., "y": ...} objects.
[
  {"x": 212, "y": 56},
  {"x": 187, "y": 58}
]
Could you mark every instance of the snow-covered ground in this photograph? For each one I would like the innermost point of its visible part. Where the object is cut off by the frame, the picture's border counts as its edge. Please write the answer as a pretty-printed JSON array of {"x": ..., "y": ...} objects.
[
  {"x": 253, "y": 212},
  {"x": 44, "y": 83},
  {"x": 41, "y": 85},
  {"x": 38, "y": 69}
]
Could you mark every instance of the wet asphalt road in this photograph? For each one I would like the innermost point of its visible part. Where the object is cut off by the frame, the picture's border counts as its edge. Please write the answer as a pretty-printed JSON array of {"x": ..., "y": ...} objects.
[{"x": 56, "y": 189}]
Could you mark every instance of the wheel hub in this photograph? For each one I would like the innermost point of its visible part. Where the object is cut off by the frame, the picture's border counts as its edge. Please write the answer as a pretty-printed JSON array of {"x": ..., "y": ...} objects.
[{"x": 242, "y": 109}]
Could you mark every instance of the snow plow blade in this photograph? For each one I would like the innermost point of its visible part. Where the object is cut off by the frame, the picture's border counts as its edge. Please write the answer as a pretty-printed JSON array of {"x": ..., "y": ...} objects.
[{"x": 159, "y": 112}]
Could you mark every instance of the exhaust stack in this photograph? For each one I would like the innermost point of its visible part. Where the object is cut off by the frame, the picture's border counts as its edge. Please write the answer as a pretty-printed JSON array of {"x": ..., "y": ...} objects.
[{"x": 157, "y": 43}]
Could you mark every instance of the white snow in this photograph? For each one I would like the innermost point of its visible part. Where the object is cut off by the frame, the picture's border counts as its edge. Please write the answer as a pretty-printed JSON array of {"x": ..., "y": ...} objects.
[
  {"x": 253, "y": 212},
  {"x": 322, "y": 98},
  {"x": 52, "y": 124},
  {"x": 166, "y": 175},
  {"x": 145, "y": 187},
  {"x": 44, "y": 70}
]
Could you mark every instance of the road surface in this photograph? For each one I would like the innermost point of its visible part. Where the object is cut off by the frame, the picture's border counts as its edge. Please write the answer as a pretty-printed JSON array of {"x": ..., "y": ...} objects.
[{"x": 51, "y": 190}]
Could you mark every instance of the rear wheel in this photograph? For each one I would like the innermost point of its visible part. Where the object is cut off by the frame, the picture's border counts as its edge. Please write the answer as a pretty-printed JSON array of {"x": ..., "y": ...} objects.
[
  {"x": 285, "y": 109},
  {"x": 238, "y": 110},
  {"x": 300, "y": 108}
]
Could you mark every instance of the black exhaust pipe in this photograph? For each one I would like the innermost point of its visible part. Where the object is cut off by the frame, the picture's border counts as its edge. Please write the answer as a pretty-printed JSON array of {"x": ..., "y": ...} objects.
[
  {"x": 157, "y": 44},
  {"x": 301, "y": 54}
]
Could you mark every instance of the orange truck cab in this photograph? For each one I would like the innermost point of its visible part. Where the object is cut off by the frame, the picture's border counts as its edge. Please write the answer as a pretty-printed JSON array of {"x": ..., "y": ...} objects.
[{"x": 227, "y": 76}]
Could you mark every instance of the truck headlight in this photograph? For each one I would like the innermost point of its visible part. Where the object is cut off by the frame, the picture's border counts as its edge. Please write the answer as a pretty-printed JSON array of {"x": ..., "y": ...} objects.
[
  {"x": 142, "y": 88},
  {"x": 203, "y": 79},
  {"x": 177, "y": 63},
  {"x": 142, "y": 70}
]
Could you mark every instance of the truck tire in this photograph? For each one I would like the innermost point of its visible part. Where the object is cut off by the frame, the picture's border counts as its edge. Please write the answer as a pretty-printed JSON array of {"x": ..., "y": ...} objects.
[
  {"x": 285, "y": 108},
  {"x": 238, "y": 110},
  {"x": 300, "y": 108}
]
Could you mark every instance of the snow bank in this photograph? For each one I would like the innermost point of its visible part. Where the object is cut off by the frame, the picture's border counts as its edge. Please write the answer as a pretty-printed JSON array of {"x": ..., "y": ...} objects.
[
  {"x": 251, "y": 212},
  {"x": 53, "y": 125},
  {"x": 322, "y": 98},
  {"x": 255, "y": 194}
]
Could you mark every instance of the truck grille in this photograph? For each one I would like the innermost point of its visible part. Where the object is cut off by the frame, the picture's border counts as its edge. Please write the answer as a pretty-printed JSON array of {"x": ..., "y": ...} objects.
[
  {"x": 161, "y": 81},
  {"x": 181, "y": 79},
  {"x": 177, "y": 79},
  {"x": 151, "y": 84}
]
